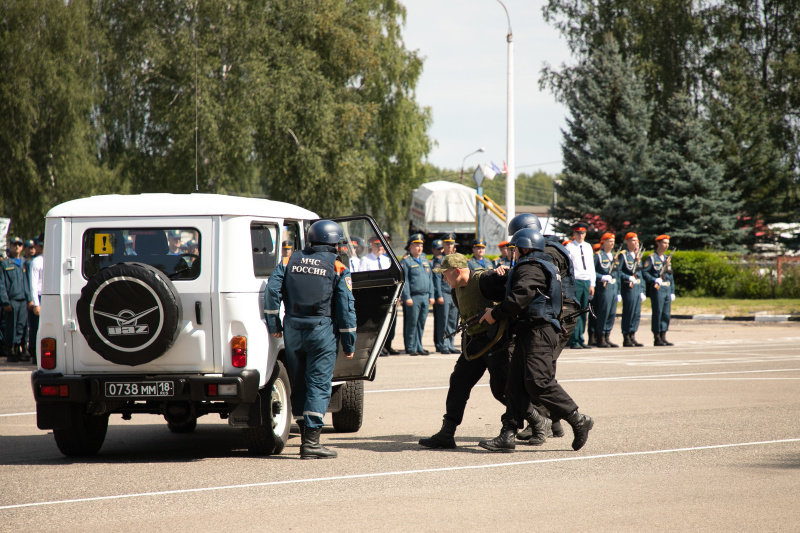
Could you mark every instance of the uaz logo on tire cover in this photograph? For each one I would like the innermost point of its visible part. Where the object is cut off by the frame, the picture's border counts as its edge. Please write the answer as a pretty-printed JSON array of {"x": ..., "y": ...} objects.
[{"x": 126, "y": 330}]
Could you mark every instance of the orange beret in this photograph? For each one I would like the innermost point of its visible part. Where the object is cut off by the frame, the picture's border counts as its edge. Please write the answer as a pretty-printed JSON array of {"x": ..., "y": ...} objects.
[
  {"x": 662, "y": 237},
  {"x": 631, "y": 235},
  {"x": 596, "y": 247},
  {"x": 503, "y": 243},
  {"x": 607, "y": 236}
]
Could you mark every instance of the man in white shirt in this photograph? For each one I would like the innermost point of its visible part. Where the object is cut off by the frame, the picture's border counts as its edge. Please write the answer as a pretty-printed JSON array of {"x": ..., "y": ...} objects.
[
  {"x": 34, "y": 306},
  {"x": 376, "y": 259},
  {"x": 583, "y": 263}
]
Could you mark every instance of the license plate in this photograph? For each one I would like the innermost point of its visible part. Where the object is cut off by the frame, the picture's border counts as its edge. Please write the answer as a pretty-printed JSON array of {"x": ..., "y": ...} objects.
[{"x": 139, "y": 389}]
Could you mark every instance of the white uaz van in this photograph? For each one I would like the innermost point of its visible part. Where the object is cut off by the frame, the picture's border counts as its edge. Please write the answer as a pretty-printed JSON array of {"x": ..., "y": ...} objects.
[{"x": 153, "y": 304}]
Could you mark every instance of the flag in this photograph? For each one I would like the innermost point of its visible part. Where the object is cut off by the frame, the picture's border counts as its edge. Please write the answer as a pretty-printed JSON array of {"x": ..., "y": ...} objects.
[
  {"x": 505, "y": 167},
  {"x": 496, "y": 170},
  {"x": 487, "y": 171}
]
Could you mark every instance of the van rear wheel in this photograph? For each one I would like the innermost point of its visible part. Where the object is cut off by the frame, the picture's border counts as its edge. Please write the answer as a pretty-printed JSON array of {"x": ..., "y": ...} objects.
[{"x": 85, "y": 435}]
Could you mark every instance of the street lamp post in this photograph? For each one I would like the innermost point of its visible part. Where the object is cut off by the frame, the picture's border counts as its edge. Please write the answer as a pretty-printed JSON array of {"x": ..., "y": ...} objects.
[
  {"x": 510, "y": 199},
  {"x": 463, "y": 161}
]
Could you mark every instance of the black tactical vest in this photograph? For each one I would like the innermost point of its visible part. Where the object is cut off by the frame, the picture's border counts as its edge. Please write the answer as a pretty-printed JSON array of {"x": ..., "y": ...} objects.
[
  {"x": 547, "y": 305},
  {"x": 568, "y": 276},
  {"x": 471, "y": 302},
  {"x": 308, "y": 283}
]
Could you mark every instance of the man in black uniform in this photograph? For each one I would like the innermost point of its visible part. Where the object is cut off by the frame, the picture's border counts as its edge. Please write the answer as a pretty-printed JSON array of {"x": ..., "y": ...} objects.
[
  {"x": 533, "y": 303},
  {"x": 556, "y": 253},
  {"x": 486, "y": 348}
]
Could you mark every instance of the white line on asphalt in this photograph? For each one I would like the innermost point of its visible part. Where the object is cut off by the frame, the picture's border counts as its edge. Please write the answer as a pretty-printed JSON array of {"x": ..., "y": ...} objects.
[
  {"x": 18, "y": 414},
  {"x": 397, "y": 473}
]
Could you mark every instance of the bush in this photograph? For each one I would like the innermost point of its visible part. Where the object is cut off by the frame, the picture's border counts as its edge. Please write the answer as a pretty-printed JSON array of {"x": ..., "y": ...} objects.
[{"x": 728, "y": 275}]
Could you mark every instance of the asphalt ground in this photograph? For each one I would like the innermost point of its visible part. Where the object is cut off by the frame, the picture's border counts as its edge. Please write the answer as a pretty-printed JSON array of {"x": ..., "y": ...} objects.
[{"x": 702, "y": 436}]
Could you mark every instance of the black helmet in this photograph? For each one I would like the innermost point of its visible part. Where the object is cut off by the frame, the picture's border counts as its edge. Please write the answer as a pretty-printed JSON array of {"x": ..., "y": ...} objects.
[
  {"x": 528, "y": 238},
  {"x": 524, "y": 220},
  {"x": 325, "y": 232}
]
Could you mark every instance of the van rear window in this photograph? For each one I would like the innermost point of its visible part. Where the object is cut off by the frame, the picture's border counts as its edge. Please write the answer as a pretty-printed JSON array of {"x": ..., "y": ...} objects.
[{"x": 174, "y": 251}]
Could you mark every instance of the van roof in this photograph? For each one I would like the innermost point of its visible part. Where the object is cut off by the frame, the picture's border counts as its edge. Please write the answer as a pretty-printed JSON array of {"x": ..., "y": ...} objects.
[{"x": 163, "y": 204}]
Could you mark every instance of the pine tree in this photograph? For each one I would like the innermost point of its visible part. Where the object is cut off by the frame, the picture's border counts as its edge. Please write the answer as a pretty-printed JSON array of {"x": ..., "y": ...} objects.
[
  {"x": 605, "y": 145},
  {"x": 685, "y": 194}
]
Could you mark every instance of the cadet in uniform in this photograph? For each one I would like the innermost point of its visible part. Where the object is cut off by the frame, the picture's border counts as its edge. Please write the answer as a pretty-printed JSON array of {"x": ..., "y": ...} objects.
[
  {"x": 580, "y": 253},
  {"x": 417, "y": 295},
  {"x": 35, "y": 268},
  {"x": 504, "y": 259},
  {"x": 631, "y": 290},
  {"x": 606, "y": 291},
  {"x": 438, "y": 301},
  {"x": 533, "y": 304},
  {"x": 657, "y": 273},
  {"x": 320, "y": 312},
  {"x": 591, "y": 319},
  {"x": 478, "y": 250},
  {"x": 449, "y": 310},
  {"x": 473, "y": 291},
  {"x": 15, "y": 295}
]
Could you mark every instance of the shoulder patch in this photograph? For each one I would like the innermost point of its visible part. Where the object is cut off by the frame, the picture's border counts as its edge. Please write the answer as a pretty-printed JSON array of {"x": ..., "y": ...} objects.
[{"x": 349, "y": 283}]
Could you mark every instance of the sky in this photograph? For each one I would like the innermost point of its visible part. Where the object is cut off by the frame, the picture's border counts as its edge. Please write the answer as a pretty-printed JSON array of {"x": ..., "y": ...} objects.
[{"x": 464, "y": 81}]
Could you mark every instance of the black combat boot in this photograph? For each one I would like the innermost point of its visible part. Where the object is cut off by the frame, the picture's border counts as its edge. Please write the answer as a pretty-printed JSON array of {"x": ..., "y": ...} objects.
[
  {"x": 657, "y": 340},
  {"x": 626, "y": 341},
  {"x": 536, "y": 432},
  {"x": 600, "y": 341},
  {"x": 311, "y": 448},
  {"x": 22, "y": 352},
  {"x": 609, "y": 343},
  {"x": 503, "y": 442},
  {"x": 664, "y": 339},
  {"x": 444, "y": 438},
  {"x": 581, "y": 424},
  {"x": 556, "y": 430},
  {"x": 10, "y": 354},
  {"x": 634, "y": 341}
]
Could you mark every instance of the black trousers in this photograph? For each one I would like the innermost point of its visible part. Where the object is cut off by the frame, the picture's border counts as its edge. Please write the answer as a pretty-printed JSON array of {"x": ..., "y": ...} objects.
[
  {"x": 467, "y": 373},
  {"x": 532, "y": 376}
]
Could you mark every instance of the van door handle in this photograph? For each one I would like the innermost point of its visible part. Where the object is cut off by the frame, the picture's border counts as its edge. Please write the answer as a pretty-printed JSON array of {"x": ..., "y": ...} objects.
[{"x": 198, "y": 313}]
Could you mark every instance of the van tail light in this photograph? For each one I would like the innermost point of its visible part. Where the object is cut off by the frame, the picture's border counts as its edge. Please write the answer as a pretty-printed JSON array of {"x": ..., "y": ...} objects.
[
  {"x": 54, "y": 390},
  {"x": 239, "y": 352},
  {"x": 48, "y": 353}
]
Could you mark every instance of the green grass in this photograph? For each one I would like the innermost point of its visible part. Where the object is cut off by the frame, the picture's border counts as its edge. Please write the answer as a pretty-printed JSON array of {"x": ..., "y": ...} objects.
[{"x": 730, "y": 307}]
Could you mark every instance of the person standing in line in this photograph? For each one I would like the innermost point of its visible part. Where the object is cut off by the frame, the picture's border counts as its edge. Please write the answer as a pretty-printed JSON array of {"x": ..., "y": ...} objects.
[
  {"x": 606, "y": 291},
  {"x": 449, "y": 310},
  {"x": 14, "y": 297},
  {"x": 504, "y": 259},
  {"x": 580, "y": 253},
  {"x": 320, "y": 312},
  {"x": 657, "y": 273},
  {"x": 533, "y": 304},
  {"x": 417, "y": 295},
  {"x": 631, "y": 290},
  {"x": 478, "y": 252},
  {"x": 438, "y": 300},
  {"x": 591, "y": 320},
  {"x": 34, "y": 306}
]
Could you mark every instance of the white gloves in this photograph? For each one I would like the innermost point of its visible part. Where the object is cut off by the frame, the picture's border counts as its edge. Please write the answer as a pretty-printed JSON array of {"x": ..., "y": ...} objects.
[
  {"x": 671, "y": 297},
  {"x": 605, "y": 277},
  {"x": 643, "y": 296},
  {"x": 659, "y": 281},
  {"x": 631, "y": 279},
  {"x": 619, "y": 297}
]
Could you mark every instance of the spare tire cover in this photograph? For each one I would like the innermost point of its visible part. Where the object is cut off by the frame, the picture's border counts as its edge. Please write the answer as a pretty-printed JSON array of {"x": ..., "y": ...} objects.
[{"x": 130, "y": 313}]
